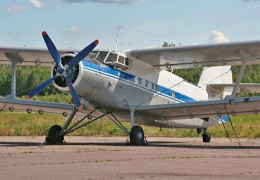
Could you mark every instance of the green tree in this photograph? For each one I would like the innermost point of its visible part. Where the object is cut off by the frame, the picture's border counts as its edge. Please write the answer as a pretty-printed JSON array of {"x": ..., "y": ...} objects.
[{"x": 28, "y": 78}]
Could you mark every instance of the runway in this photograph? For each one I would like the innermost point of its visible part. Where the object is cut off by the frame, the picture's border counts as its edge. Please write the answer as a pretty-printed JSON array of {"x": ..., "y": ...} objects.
[{"x": 109, "y": 158}]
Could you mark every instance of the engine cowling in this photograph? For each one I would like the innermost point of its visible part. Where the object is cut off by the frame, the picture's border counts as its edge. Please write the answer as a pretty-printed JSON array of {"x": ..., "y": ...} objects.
[{"x": 75, "y": 73}]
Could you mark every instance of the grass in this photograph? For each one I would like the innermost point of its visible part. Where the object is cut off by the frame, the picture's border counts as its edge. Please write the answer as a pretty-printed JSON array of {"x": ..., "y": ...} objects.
[{"x": 23, "y": 124}]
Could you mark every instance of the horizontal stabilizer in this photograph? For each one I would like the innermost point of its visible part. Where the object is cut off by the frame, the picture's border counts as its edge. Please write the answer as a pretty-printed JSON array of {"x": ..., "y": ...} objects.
[{"x": 243, "y": 87}]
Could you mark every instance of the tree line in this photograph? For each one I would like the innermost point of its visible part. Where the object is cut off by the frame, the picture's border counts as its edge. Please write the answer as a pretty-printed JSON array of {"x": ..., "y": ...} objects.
[{"x": 27, "y": 78}]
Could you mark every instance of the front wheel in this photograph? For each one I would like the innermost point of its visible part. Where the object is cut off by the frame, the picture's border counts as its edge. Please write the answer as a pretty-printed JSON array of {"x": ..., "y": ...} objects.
[
  {"x": 137, "y": 135},
  {"x": 53, "y": 135}
]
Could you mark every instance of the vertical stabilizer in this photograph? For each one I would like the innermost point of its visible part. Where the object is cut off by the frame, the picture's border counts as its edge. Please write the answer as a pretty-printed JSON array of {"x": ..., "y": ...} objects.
[{"x": 216, "y": 75}]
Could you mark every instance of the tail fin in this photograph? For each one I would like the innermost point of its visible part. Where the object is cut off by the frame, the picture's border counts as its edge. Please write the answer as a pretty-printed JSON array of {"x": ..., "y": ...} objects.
[{"x": 216, "y": 75}]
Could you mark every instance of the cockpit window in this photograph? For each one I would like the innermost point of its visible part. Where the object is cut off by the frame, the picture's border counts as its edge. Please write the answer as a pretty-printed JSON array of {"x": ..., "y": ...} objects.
[
  {"x": 102, "y": 55},
  {"x": 126, "y": 61},
  {"x": 112, "y": 57},
  {"x": 121, "y": 60},
  {"x": 93, "y": 54},
  {"x": 120, "y": 66}
]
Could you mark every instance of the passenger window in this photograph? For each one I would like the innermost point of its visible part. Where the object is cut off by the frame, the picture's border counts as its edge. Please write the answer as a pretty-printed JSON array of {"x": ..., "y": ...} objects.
[
  {"x": 112, "y": 57},
  {"x": 146, "y": 83},
  {"x": 102, "y": 55},
  {"x": 140, "y": 81},
  {"x": 155, "y": 87},
  {"x": 173, "y": 94}
]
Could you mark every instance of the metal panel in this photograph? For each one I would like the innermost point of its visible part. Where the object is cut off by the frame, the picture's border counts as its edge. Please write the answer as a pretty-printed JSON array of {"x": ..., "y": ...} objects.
[
  {"x": 28, "y": 56},
  {"x": 205, "y": 109},
  {"x": 182, "y": 57},
  {"x": 244, "y": 87},
  {"x": 35, "y": 106}
]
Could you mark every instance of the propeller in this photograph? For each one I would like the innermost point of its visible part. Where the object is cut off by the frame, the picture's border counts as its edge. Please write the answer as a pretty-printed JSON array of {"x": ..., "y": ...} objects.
[{"x": 63, "y": 71}]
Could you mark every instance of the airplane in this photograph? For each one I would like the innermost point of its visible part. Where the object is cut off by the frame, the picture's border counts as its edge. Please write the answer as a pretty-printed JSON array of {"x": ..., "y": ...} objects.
[{"x": 137, "y": 86}]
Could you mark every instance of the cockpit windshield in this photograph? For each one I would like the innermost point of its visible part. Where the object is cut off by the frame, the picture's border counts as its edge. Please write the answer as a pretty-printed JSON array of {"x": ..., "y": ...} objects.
[
  {"x": 113, "y": 59},
  {"x": 102, "y": 55}
]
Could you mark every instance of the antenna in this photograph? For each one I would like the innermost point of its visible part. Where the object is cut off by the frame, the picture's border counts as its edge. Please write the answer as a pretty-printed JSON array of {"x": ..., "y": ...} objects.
[{"x": 117, "y": 36}]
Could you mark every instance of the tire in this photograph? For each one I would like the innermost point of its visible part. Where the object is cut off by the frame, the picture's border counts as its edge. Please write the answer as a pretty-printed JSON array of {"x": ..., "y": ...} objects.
[
  {"x": 53, "y": 135},
  {"x": 206, "y": 137},
  {"x": 137, "y": 135}
]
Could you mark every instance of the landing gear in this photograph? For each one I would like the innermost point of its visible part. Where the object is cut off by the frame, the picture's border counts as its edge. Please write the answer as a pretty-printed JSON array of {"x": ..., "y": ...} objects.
[
  {"x": 53, "y": 135},
  {"x": 137, "y": 135},
  {"x": 199, "y": 130},
  {"x": 56, "y": 133},
  {"x": 206, "y": 137}
]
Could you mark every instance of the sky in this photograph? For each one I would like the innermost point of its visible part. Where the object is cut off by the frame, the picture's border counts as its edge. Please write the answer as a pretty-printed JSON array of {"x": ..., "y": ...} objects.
[{"x": 142, "y": 23}]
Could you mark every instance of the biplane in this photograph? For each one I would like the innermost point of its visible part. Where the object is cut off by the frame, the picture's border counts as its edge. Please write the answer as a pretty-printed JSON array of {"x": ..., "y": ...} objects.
[{"x": 138, "y": 86}]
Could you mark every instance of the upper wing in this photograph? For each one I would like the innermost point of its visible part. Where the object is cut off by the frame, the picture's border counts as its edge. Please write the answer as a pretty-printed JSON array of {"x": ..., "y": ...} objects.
[
  {"x": 204, "y": 109},
  {"x": 28, "y": 56},
  {"x": 183, "y": 57}
]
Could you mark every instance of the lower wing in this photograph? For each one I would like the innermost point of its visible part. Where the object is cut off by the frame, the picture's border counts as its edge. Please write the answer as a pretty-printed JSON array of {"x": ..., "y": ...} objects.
[
  {"x": 204, "y": 109},
  {"x": 35, "y": 106}
]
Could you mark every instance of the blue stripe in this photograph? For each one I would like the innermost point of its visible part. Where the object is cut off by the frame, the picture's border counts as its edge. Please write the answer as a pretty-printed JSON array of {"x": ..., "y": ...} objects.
[{"x": 129, "y": 78}]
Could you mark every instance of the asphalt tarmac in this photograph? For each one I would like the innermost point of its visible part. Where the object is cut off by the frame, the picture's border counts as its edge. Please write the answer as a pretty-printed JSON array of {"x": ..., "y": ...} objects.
[{"x": 110, "y": 158}]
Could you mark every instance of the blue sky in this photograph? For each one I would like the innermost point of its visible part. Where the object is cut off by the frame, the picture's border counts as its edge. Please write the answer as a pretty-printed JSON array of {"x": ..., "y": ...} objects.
[{"x": 145, "y": 23}]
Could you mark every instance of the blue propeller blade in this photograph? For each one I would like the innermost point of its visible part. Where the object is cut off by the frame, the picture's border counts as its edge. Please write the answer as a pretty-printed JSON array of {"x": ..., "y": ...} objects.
[
  {"x": 41, "y": 87},
  {"x": 52, "y": 49},
  {"x": 82, "y": 54},
  {"x": 73, "y": 93}
]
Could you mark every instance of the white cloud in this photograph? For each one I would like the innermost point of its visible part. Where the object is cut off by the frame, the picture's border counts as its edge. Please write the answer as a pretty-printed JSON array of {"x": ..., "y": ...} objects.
[
  {"x": 74, "y": 30},
  {"x": 217, "y": 37},
  {"x": 36, "y": 3},
  {"x": 16, "y": 8},
  {"x": 100, "y": 1}
]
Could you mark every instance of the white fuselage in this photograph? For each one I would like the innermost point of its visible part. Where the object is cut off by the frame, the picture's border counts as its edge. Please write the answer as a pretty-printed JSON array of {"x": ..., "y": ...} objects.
[{"x": 116, "y": 90}]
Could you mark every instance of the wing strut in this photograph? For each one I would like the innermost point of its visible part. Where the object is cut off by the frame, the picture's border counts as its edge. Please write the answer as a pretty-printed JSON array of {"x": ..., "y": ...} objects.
[
  {"x": 13, "y": 80},
  {"x": 14, "y": 67},
  {"x": 238, "y": 141},
  {"x": 245, "y": 57}
]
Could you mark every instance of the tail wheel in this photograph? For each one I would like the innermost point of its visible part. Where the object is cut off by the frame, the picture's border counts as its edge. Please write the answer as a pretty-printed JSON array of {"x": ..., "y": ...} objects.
[
  {"x": 53, "y": 135},
  {"x": 137, "y": 135}
]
